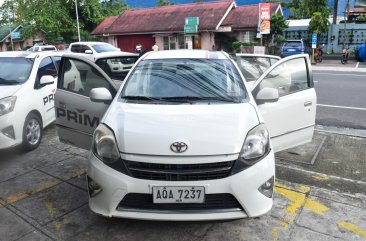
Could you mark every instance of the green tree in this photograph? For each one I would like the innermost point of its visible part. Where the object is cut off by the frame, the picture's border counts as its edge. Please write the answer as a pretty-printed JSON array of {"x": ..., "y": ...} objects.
[
  {"x": 318, "y": 24},
  {"x": 278, "y": 26},
  {"x": 164, "y": 3},
  {"x": 59, "y": 18}
]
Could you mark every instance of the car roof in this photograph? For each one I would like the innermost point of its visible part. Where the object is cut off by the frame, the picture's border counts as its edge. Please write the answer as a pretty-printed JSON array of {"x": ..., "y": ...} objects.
[
  {"x": 185, "y": 54},
  {"x": 29, "y": 54},
  {"x": 90, "y": 43}
]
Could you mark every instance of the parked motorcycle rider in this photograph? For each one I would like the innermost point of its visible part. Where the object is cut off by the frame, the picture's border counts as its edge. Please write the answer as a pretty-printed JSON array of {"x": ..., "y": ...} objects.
[
  {"x": 345, "y": 55},
  {"x": 319, "y": 54}
]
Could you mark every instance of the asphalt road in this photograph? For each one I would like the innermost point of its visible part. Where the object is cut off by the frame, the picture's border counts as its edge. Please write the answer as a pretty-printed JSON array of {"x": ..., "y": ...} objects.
[{"x": 341, "y": 99}]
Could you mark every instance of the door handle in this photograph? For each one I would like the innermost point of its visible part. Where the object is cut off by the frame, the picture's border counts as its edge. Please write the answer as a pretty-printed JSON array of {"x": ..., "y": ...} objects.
[{"x": 308, "y": 103}]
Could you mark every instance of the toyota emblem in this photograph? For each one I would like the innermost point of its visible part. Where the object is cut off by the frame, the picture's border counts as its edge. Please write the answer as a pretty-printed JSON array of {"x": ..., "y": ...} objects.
[{"x": 178, "y": 147}]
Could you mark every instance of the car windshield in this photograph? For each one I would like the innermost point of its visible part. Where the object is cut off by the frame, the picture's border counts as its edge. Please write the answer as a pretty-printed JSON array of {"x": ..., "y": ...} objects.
[
  {"x": 292, "y": 44},
  {"x": 100, "y": 48},
  {"x": 252, "y": 67},
  {"x": 185, "y": 81},
  {"x": 14, "y": 70}
]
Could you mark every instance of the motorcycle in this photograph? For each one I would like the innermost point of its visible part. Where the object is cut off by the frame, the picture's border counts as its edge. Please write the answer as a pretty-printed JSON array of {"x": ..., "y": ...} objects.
[
  {"x": 318, "y": 54},
  {"x": 345, "y": 55}
]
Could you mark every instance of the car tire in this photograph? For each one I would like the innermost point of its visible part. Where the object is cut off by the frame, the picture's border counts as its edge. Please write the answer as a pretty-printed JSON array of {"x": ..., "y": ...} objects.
[{"x": 32, "y": 132}]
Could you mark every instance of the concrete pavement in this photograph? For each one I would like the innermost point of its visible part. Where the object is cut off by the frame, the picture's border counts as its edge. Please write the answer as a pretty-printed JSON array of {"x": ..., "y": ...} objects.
[
  {"x": 336, "y": 65},
  {"x": 43, "y": 197}
]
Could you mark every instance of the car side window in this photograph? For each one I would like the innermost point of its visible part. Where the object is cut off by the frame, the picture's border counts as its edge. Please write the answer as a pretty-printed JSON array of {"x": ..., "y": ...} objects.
[
  {"x": 46, "y": 67},
  {"x": 75, "y": 48},
  {"x": 83, "y": 48},
  {"x": 80, "y": 77},
  {"x": 288, "y": 77},
  {"x": 57, "y": 60}
]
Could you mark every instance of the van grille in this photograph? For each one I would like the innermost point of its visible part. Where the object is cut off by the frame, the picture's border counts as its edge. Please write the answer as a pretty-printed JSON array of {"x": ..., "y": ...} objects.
[
  {"x": 179, "y": 172},
  {"x": 217, "y": 202}
]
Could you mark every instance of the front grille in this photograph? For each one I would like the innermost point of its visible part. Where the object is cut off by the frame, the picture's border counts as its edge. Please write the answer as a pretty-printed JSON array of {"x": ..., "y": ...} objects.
[
  {"x": 217, "y": 202},
  {"x": 179, "y": 172}
]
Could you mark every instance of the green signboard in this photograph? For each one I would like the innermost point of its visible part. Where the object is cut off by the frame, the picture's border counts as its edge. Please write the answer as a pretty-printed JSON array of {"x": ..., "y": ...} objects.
[
  {"x": 192, "y": 21},
  {"x": 190, "y": 28}
]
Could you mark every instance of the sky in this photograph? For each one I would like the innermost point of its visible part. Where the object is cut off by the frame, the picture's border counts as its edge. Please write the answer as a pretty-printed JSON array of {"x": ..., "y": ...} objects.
[{"x": 152, "y": 3}]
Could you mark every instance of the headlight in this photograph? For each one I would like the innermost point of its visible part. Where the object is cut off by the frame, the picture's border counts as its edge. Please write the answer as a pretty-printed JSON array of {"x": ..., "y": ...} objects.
[
  {"x": 105, "y": 145},
  {"x": 256, "y": 144},
  {"x": 7, "y": 105}
]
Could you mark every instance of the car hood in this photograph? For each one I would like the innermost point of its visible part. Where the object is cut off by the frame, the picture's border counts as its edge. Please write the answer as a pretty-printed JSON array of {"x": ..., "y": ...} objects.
[
  {"x": 149, "y": 129},
  {"x": 8, "y": 90}
]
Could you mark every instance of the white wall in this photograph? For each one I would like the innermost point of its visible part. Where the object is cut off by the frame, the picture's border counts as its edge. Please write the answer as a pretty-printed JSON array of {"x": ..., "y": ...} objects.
[{"x": 207, "y": 40}]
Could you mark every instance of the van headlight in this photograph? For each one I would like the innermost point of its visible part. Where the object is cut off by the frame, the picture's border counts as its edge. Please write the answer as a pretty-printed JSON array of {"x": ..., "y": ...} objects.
[
  {"x": 7, "y": 105},
  {"x": 105, "y": 145}
]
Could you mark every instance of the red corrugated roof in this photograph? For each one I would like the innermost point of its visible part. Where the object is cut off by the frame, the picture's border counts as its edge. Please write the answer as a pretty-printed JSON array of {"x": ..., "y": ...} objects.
[
  {"x": 106, "y": 23},
  {"x": 357, "y": 10},
  {"x": 245, "y": 16},
  {"x": 169, "y": 18}
]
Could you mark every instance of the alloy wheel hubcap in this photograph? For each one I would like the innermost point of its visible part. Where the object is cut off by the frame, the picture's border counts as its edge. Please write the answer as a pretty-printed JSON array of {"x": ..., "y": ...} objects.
[{"x": 33, "y": 131}]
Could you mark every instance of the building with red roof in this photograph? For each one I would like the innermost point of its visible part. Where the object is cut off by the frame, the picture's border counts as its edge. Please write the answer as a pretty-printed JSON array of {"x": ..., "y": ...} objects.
[{"x": 164, "y": 26}]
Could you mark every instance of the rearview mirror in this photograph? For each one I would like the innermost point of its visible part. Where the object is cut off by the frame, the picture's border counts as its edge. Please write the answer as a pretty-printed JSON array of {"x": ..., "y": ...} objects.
[
  {"x": 100, "y": 95},
  {"x": 267, "y": 95},
  {"x": 46, "y": 80},
  {"x": 88, "y": 51}
]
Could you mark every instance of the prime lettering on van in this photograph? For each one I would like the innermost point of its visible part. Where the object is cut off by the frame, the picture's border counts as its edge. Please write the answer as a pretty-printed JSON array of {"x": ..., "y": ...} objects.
[
  {"x": 48, "y": 99},
  {"x": 78, "y": 117}
]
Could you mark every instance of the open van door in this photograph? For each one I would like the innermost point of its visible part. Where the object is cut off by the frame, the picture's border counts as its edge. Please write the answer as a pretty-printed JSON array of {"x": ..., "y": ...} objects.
[
  {"x": 77, "y": 115},
  {"x": 290, "y": 118}
]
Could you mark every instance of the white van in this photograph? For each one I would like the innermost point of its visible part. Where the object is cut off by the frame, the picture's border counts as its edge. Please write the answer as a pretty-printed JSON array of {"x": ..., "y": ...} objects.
[
  {"x": 185, "y": 137},
  {"x": 27, "y": 88}
]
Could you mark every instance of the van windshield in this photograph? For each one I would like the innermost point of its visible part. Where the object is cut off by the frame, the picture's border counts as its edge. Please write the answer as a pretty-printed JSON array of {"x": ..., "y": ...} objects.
[
  {"x": 185, "y": 80},
  {"x": 14, "y": 70}
]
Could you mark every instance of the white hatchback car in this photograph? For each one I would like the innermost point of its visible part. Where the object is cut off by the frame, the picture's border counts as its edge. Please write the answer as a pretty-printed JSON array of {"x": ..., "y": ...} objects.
[
  {"x": 184, "y": 137},
  {"x": 27, "y": 87}
]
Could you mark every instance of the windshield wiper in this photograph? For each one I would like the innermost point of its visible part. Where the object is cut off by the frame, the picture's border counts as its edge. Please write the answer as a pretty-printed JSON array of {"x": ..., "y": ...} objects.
[
  {"x": 140, "y": 97},
  {"x": 200, "y": 98}
]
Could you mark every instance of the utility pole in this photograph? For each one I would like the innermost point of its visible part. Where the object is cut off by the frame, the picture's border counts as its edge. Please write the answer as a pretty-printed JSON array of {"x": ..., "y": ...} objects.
[
  {"x": 345, "y": 24},
  {"x": 10, "y": 32},
  {"x": 77, "y": 19}
]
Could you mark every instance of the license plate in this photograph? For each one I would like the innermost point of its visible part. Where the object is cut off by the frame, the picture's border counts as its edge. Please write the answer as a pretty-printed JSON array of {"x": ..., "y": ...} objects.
[
  {"x": 291, "y": 50},
  {"x": 178, "y": 194}
]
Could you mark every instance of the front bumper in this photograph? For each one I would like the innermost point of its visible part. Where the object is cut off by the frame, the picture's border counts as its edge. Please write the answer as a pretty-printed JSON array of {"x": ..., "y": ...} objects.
[
  {"x": 243, "y": 186},
  {"x": 7, "y": 121}
]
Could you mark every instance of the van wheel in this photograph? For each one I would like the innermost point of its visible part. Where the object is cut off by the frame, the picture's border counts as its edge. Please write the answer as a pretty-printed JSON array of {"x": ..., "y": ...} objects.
[{"x": 32, "y": 132}]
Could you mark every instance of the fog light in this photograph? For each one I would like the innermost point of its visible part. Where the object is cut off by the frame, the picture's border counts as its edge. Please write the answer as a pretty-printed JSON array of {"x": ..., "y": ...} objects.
[
  {"x": 267, "y": 188},
  {"x": 93, "y": 187},
  {"x": 9, "y": 132}
]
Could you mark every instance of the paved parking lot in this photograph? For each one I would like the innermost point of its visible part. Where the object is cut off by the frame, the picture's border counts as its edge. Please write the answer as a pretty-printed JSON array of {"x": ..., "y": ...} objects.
[{"x": 43, "y": 197}]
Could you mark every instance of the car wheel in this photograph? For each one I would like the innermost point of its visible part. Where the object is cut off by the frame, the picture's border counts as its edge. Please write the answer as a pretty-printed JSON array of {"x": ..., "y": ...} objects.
[{"x": 32, "y": 132}]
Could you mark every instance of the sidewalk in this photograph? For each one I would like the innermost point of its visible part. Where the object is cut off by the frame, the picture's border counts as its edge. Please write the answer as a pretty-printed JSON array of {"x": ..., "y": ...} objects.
[
  {"x": 336, "y": 65},
  {"x": 320, "y": 195}
]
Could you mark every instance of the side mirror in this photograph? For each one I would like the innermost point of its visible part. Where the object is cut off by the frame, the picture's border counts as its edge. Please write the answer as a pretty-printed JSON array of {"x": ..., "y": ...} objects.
[
  {"x": 100, "y": 95},
  {"x": 267, "y": 95},
  {"x": 88, "y": 51},
  {"x": 46, "y": 80}
]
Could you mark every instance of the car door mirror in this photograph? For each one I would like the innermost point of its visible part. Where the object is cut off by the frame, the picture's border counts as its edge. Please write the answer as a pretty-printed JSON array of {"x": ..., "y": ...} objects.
[
  {"x": 267, "y": 95},
  {"x": 88, "y": 51},
  {"x": 100, "y": 95},
  {"x": 46, "y": 80}
]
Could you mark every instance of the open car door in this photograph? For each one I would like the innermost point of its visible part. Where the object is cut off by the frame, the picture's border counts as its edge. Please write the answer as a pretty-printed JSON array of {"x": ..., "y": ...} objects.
[
  {"x": 76, "y": 115},
  {"x": 290, "y": 118},
  {"x": 252, "y": 66}
]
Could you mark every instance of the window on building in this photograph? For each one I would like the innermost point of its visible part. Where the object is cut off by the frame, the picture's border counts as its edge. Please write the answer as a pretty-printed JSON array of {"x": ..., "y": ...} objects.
[
  {"x": 181, "y": 42},
  {"x": 247, "y": 36},
  {"x": 172, "y": 42},
  {"x": 166, "y": 42}
]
